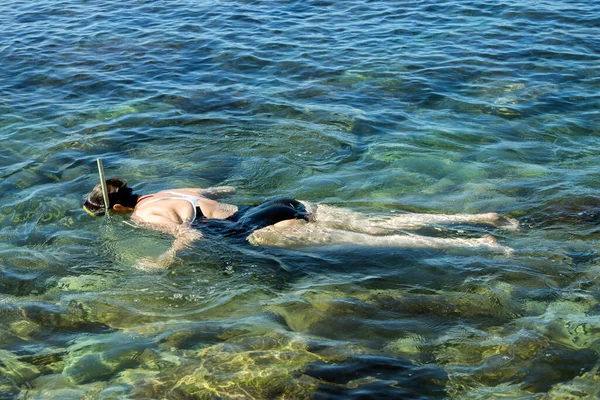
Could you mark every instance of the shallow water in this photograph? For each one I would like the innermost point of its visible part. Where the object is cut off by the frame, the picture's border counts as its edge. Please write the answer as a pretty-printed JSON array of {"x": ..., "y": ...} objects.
[{"x": 380, "y": 107}]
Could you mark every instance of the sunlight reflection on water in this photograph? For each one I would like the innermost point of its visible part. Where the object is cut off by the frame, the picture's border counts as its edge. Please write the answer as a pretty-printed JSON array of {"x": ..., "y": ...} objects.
[{"x": 379, "y": 107}]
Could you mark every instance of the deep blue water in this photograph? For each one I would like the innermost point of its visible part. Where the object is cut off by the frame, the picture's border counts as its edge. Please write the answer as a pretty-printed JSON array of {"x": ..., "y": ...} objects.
[{"x": 380, "y": 107}]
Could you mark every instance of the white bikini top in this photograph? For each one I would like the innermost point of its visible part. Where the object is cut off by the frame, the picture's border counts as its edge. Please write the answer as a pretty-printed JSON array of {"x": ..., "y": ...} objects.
[{"x": 193, "y": 200}]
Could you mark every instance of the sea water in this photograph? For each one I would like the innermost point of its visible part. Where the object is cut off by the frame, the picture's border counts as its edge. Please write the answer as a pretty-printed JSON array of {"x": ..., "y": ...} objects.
[{"x": 381, "y": 107}]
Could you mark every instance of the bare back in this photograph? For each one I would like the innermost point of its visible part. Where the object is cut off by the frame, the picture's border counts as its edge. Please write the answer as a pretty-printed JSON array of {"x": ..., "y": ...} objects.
[{"x": 178, "y": 207}]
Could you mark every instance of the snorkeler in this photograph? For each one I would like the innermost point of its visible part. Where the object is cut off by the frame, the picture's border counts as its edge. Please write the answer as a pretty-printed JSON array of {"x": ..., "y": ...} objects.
[{"x": 185, "y": 213}]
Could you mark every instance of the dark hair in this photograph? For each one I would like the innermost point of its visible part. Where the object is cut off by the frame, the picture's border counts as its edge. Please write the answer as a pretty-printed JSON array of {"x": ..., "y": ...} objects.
[{"x": 118, "y": 193}]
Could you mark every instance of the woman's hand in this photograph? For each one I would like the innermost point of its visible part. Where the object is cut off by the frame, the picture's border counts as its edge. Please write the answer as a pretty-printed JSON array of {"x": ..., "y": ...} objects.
[
  {"x": 164, "y": 261},
  {"x": 184, "y": 235},
  {"x": 217, "y": 191}
]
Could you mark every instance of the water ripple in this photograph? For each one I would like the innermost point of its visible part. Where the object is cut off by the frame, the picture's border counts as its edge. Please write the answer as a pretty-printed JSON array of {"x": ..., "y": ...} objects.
[{"x": 379, "y": 106}]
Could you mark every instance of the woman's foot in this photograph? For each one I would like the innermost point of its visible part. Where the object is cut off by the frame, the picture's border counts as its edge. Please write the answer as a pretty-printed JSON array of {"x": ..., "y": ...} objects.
[{"x": 501, "y": 221}]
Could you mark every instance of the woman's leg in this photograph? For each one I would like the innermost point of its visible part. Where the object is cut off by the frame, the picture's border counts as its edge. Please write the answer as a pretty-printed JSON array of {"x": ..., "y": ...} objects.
[
  {"x": 307, "y": 234},
  {"x": 340, "y": 218}
]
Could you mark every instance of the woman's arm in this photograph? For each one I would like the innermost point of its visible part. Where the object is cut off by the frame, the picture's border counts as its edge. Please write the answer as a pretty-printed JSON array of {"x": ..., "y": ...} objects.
[
  {"x": 183, "y": 233},
  {"x": 183, "y": 238},
  {"x": 217, "y": 191}
]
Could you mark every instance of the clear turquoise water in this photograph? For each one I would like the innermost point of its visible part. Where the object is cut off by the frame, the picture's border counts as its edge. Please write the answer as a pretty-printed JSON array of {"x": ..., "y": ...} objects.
[{"x": 380, "y": 107}]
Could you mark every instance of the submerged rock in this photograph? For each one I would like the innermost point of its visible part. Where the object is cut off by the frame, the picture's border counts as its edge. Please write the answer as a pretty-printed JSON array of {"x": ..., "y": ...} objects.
[
  {"x": 89, "y": 368},
  {"x": 58, "y": 387},
  {"x": 8, "y": 390},
  {"x": 337, "y": 315},
  {"x": 196, "y": 337},
  {"x": 17, "y": 371},
  {"x": 255, "y": 366},
  {"x": 526, "y": 359},
  {"x": 101, "y": 360},
  {"x": 281, "y": 364},
  {"x": 135, "y": 383},
  {"x": 84, "y": 283},
  {"x": 586, "y": 386},
  {"x": 101, "y": 313},
  {"x": 493, "y": 371},
  {"x": 267, "y": 365},
  {"x": 410, "y": 345},
  {"x": 501, "y": 391},
  {"x": 375, "y": 376},
  {"x": 49, "y": 359},
  {"x": 26, "y": 330},
  {"x": 61, "y": 318},
  {"x": 554, "y": 365},
  {"x": 453, "y": 305},
  {"x": 566, "y": 322},
  {"x": 21, "y": 282},
  {"x": 527, "y": 344}
]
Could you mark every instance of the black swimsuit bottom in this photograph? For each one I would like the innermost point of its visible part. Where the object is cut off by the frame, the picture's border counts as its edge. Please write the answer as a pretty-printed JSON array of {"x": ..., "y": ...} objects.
[{"x": 250, "y": 218}]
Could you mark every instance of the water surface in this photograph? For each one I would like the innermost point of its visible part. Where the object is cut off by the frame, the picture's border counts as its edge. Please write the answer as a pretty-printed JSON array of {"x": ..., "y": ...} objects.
[{"x": 378, "y": 106}]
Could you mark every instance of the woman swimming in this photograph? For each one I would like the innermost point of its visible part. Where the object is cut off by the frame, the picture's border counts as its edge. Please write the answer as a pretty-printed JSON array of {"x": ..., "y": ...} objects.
[{"x": 281, "y": 222}]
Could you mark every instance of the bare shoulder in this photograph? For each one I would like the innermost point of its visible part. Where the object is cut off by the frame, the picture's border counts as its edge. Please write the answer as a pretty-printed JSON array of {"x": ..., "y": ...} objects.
[
  {"x": 161, "y": 208},
  {"x": 167, "y": 210}
]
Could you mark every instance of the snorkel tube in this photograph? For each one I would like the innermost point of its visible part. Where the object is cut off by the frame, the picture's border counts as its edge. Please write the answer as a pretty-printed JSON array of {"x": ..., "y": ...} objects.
[
  {"x": 90, "y": 207},
  {"x": 103, "y": 183}
]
